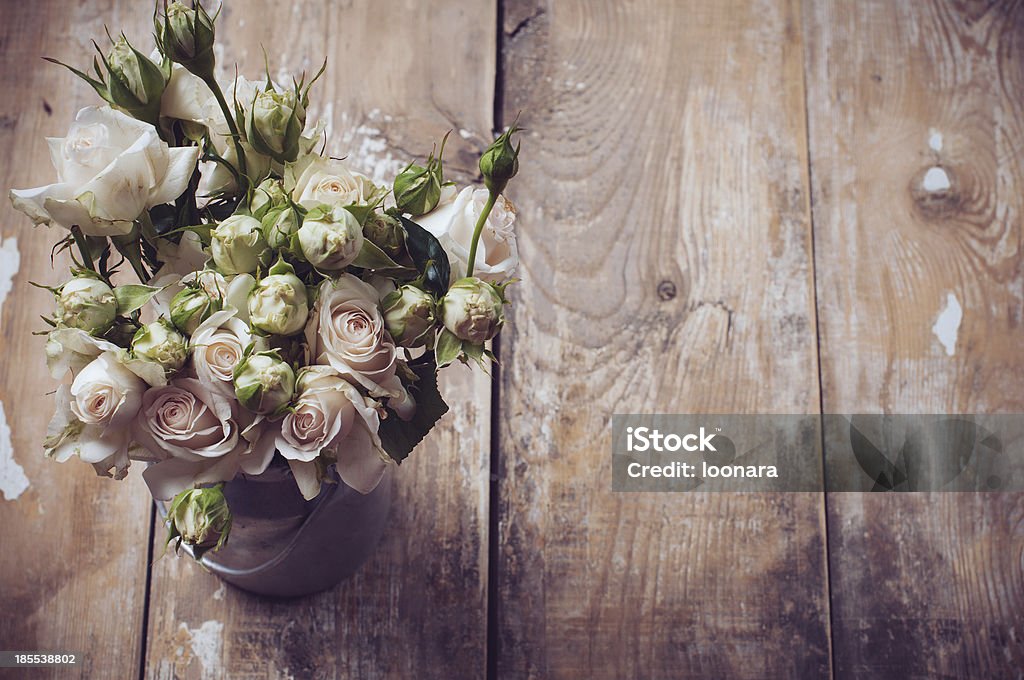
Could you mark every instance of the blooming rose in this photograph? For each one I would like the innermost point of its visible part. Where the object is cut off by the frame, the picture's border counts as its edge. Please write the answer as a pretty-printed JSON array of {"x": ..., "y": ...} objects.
[
  {"x": 453, "y": 222},
  {"x": 72, "y": 349},
  {"x": 217, "y": 346},
  {"x": 324, "y": 181},
  {"x": 330, "y": 415},
  {"x": 110, "y": 168},
  {"x": 346, "y": 331},
  {"x": 94, "y": 415},
  {"x": 198, "y": 435}
]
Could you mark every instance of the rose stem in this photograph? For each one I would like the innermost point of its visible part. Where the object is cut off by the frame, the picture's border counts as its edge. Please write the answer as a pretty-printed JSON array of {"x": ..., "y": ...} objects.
[
  {"x": 491, "y": 198},
  {"x": 237, "y": 138}
]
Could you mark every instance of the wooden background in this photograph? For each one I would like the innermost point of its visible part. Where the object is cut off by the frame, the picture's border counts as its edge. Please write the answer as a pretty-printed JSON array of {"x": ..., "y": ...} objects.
[{"x": 724, "y": 207}]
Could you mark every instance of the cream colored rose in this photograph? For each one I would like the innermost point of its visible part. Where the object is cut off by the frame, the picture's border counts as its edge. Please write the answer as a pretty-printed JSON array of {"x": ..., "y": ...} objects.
[
  {"x": 217, "y": 346},
  {"x": 331, "y": 416},
  {"x": 197, "y": 436},
  {"x": 453, "y": 222},
  {"x": 94, "y": 415},
  {"x": 110, "y": 168},
  {"x": 346, "y": 331},
  {"x": 324, "y": 181}
]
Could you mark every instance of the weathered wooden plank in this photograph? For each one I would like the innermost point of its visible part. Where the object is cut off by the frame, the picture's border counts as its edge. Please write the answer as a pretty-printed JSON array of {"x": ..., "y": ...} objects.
[
  {"x": 398, "y": 77},
  {"x": 917, "y": 129},
  {"x": 665, "y": 236},
  {"x": 74, "y": 545}
]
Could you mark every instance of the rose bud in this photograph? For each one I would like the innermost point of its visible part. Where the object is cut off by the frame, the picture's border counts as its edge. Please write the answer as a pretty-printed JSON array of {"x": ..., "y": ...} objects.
[
  {"x": 330, "y": 238},
  {"x": 500, "y": 162},
  {"x": 237, "y": 245},
  {"x": 87, "y": 303},
  {"x": 418, "y": 188},
  {"x": 409, "y": 315},
  {"x": 159, "y": 341},
  {"x": 268, "y": 195},
  {"x": 386, "y": 232},
  {"x": 192, "y": 306},
  {"x": 278, "y": 304},
  {"x": 274, "y": 124},
  {"x": 473, "y": 310},
  {"x": 135, "y": 84},
  {"x": 185, "y": 36},
  {"x": 200, "y": 518},
  {"x": 264, "y": 383},
  {"x": 279, "y": 224}
]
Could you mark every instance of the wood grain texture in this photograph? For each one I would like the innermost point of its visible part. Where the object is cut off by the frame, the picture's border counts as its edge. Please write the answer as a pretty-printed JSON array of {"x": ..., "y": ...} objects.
[
  {"x": 399, "y": 75},
  {"x": 917, "y": 129},
  {"x": 73, "y": 544},
  {"x": 666, "y": 248}
]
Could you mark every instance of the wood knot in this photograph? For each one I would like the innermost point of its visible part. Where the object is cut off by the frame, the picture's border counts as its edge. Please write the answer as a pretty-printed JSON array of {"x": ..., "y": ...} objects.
[
  {"x": 936, "y": 192},
  {"x": 666, "y": 290}
]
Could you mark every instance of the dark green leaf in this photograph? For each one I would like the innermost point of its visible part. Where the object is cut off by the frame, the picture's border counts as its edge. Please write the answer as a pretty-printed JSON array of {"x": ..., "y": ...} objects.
[
  {"x": 429, "y": 256},
  {"x": 399, "y": 437}
]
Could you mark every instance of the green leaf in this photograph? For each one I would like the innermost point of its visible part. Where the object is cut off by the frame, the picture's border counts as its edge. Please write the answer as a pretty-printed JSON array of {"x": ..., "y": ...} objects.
[
  {"x": 133, "y": 296},
  {"x": 449, "y": 347},
  {"x": 399, "y": 437},
  {"x": 429, "y": 256},
  {"x": 360, "y": 212},
  {"x": 372, "y": 257}
]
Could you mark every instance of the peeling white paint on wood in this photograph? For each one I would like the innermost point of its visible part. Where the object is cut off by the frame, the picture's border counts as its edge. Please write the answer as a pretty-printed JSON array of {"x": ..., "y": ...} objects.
[
  {"x": 935, "y": 140},
  {"x": 207, "y": 644},
  {"x": 947, "y": 325},
  {"x": 935, "y": 179},
  {"x": 13, "y": 480},
  {"x": 10, "y": 262}
]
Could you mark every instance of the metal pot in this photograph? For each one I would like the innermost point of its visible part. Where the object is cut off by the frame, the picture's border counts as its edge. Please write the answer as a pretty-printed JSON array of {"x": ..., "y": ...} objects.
[{"x": 284, "y": 546}]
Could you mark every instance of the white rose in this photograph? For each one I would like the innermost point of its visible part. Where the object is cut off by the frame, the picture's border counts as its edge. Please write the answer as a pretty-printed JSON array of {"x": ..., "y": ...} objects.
[
  {"x": 72, "y": 349},
  {"x": 217, "y": 346},
  {"x": 453, "y": 222},
  {"x": 110, "y": 168},
  {"x": 94, "y": 415},
  {"x": 346, "y": 331},
  {"x": 330, "y": 415},
  {"x": 198, "y": 436},
  {"x": 324, "y": 181}
]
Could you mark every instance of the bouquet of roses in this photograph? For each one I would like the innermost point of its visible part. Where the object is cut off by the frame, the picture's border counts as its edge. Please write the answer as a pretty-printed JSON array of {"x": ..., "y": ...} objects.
[{"x": 287, "y": 308}]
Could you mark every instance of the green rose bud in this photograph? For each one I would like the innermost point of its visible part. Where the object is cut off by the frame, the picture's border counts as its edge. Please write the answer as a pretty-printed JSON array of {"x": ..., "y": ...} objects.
[
  {"x": 473, "y": 310},
  {"x": 237, "y": 245},
  {"x": 274, "y": 124},
  {"x": 264, "y": 383},
  {"x": 185, "y": 36},
  {"x": 330, "y": 238},
  {"x": 386, "y": 232},
  {"x": 268, "y": 195},
  {"x": 418, "y": 188},
  {"x": 159, "y": 341},
  {"x": 200, "y": 518},
  {"x": 192, "y": 306},
  {"x": 409, "y": 315},
  {"x": 87, "y": 303},
  {"x": 135, "y": 84},
  {"x": 500, "y": 162},
  {"x": 278, "y": 304},
  {"x": 279, "y": 224}
]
